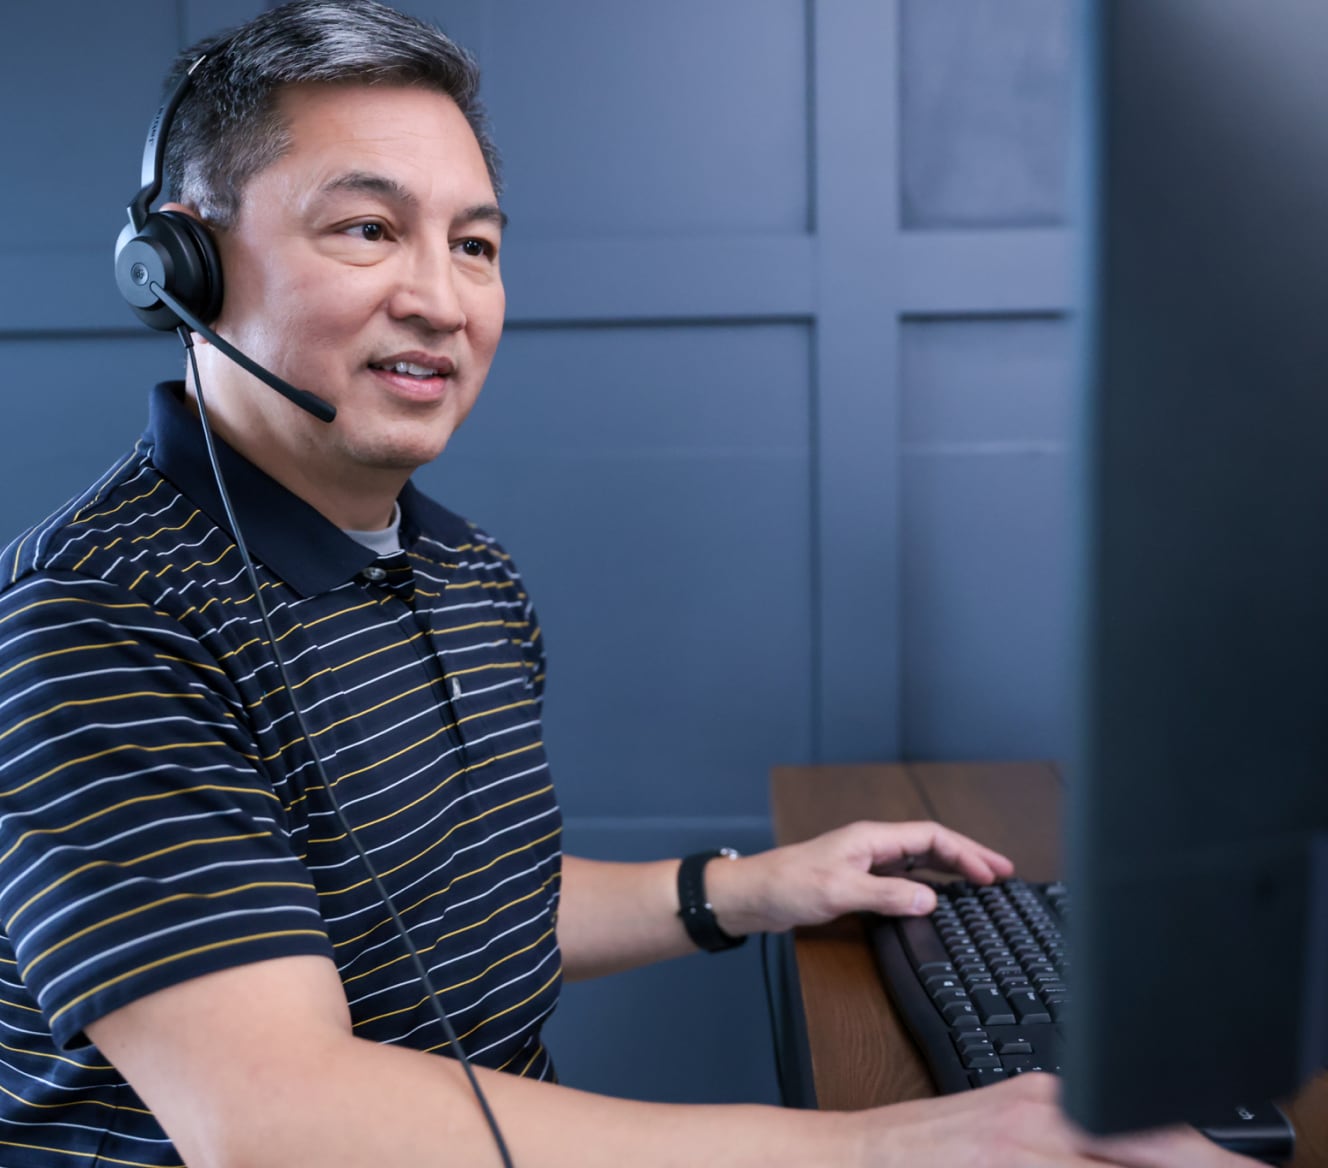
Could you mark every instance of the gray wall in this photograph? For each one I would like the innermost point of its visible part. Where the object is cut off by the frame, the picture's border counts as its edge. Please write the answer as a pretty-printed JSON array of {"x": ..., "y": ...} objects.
[{"x": 778, "y": 431}]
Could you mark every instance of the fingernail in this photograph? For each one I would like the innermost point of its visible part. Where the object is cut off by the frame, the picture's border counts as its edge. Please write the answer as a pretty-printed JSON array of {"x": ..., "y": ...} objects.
[{"x": 922, "y": 901}]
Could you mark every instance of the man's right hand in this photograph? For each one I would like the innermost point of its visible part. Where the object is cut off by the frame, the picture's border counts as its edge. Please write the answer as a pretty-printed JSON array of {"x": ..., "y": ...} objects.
[{"x": 1019, "y": 1124}]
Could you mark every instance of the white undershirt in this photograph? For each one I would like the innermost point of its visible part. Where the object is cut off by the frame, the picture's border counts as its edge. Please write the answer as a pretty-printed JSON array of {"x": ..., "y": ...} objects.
[{"x": 386, "y": 541}]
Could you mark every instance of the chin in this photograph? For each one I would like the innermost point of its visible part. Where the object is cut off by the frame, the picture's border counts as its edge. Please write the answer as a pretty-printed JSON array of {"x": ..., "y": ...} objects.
[{"x": 395, "y": 456}]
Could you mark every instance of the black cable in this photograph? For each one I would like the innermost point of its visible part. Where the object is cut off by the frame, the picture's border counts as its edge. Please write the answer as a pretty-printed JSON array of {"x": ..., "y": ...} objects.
[
  {"x": 772, "y": 1014},
  {"x": 421, "y": 972}
]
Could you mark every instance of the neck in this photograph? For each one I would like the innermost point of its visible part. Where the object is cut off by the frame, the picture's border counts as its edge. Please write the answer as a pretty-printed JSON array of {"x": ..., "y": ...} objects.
[{"x": 277, "y": 439}]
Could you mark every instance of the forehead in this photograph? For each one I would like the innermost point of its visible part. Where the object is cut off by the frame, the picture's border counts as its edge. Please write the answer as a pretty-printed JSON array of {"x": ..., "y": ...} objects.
[{"x": 417, "y": 136}]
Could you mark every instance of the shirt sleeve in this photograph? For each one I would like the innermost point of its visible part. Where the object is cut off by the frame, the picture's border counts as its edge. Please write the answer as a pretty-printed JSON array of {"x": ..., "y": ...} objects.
[{"x": 141, "y": 843}]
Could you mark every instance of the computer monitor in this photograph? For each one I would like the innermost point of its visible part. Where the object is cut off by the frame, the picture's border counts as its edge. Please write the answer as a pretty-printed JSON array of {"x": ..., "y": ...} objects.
[{"x": 1198, "y": 791}]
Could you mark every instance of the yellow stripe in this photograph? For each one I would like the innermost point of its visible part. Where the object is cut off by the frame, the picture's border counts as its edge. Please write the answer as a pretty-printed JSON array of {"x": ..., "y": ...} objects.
[
  {"x": 103, "y": 754},
  {"x": 387, "y": 921},
  {"x": 9, "y": 924},
  {"x": 63, "y": 652},
  {"x": 189, "y": 663},
  {"x": 405, "y": 693},
  {"x": 59, "y": 1058},
  {"x": 459, "y": 985},
  {"x": 180, "y": 957},
  {"x": 133, "y": 912},
  {"x": 456, "y": 879},
  {"x": 165, "y": 530},
  {"x": 19, "y": 1006},
  {"x": 340, "y": 613},
  {"x": 230, "y": 547},
  {"x": 501, "y": 1013},
  {"x": 241, "y": 648},
  {"x": 95, "y": 702},
  {"x": 333, "y": 669},
  {"x": 430, "y": 794},
  {"x": 62, "y": 1106},
  {"x": 470, "y": 769},
  {"x": 129, "y": 803},
  {"x": 119, "y": 507},
  {"x": 430, "y": 738},
  {"x": 100, "y": 1157},
  {"x": 493, "y": 624}
]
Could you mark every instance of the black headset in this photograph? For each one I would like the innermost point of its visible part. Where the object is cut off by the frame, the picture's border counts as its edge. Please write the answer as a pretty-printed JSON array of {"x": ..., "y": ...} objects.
[
  {"x": 167, "y": 266},
  {"x": 167, "y": 248}
]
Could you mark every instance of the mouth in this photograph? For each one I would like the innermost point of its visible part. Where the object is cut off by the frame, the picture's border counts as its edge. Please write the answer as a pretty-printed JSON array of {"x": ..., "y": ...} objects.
[
  {"x": 417, "y": 377},
  {"x": 420, "y": 366}
]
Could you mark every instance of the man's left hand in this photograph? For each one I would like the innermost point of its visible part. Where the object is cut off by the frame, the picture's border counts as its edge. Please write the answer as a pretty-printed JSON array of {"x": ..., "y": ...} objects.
[{"x": 864, "y": 867}]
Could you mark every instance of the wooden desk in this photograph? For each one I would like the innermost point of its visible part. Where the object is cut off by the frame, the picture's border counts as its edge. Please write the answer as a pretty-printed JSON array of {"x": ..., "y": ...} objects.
[{"x": 860, "y": 1054}]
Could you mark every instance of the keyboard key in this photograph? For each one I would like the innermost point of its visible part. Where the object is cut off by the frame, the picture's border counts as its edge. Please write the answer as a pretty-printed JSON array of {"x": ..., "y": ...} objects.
[
  {"x": 973, "y": 1042},
  {"x": 923, "y": 945},
  {"x": 992, "y": 1007},
  {"x": 953, "y": 1011},
  {"x": 978, "y": 1062},
  {"x": 1017, "y": 1064},
  {"x": 944, "y": 997},
  {"x": 1028, "y": 1006},
  {"x": 1014, "y": 1046}
]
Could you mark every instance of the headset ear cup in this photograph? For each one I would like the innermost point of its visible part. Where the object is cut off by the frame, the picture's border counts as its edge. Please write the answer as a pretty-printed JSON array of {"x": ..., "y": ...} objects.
[{"x": 175, "y": 251}]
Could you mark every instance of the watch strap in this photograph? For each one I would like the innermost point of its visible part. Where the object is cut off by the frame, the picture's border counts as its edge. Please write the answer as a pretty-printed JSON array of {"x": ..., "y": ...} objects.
[{"x": 698, "y": 917}]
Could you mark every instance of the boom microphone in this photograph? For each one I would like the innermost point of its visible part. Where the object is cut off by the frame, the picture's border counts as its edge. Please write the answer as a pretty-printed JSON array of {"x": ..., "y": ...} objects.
[{"x": 323, "y": 411}]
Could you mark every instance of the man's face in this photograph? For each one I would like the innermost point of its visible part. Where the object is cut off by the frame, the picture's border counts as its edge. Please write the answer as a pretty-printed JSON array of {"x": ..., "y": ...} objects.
[{"x": 363, "y": 267}]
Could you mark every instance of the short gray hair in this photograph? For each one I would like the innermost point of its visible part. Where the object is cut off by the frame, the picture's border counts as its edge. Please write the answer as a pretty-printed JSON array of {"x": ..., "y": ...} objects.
[{"x": 227, "y": 128}]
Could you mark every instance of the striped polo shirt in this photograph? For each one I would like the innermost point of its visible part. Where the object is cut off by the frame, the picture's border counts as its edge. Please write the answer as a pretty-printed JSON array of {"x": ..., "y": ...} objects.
[{"x": 161, "y": 816}]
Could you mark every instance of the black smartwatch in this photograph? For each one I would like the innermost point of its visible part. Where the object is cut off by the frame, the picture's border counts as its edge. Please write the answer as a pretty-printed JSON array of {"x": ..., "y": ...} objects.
[{"x": 698, "y": 917}]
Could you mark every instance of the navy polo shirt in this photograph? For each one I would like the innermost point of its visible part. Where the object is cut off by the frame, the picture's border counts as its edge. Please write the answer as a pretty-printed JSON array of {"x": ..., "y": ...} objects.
[{"x": 161, "y": 816}]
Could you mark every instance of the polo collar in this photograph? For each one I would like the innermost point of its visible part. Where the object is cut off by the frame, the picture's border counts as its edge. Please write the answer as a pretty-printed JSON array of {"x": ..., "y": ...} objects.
[{"x": 308, "y": 551}]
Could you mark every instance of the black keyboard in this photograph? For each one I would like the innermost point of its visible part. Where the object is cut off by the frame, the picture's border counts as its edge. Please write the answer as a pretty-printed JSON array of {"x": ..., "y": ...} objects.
[{"x": 982, "y": 986}]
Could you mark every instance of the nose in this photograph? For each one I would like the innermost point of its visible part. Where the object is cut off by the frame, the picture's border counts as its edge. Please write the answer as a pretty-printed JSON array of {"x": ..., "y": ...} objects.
[{"x": 427, "y": 291}]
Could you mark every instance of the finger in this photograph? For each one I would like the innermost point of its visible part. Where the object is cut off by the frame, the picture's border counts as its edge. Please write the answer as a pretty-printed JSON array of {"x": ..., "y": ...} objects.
[
  {"x": 948, "y": 849},
  {"x": 1172, "y": 1148},
  {"x": 893, "y": 896}
]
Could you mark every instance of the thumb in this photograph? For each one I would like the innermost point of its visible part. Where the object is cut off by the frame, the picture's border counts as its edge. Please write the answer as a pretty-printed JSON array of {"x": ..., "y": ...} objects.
[{"x": 893, "y": 896}]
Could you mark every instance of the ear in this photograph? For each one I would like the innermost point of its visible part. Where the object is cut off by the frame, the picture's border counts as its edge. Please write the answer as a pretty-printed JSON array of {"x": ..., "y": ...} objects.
[{"x": 179, "y": 247}]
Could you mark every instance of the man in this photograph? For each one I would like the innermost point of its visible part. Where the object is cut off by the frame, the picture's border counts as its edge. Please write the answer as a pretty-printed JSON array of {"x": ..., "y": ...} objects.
[{"x": 197, "y": 963}]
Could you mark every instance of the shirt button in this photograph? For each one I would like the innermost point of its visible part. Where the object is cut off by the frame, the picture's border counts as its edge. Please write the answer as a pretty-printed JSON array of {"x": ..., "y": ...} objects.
[{"x": 375, "y": 573}]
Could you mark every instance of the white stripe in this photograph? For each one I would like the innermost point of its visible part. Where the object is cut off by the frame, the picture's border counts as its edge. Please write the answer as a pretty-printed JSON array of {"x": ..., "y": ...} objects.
[{"x": 184, "y": 926}]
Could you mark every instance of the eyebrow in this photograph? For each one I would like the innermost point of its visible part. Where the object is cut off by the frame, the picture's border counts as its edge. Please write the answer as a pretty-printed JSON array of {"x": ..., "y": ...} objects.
[{"x": 365, "y": 182}]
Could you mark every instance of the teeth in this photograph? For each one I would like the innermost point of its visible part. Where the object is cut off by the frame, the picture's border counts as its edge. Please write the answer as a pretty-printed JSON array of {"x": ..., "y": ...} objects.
[{"x": 413, "y": 370}]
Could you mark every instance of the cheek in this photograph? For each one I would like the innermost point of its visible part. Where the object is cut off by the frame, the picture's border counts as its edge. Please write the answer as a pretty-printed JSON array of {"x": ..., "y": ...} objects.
[
  {"x": 321, "y": 315},
  {"x": 486, "y": 323}
]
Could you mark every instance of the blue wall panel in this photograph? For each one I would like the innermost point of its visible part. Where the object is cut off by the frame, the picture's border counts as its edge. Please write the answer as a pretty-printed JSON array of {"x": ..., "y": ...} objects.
[
  {"x": 686, "y": 118},
  {"x": 985, "y": 112},
  {"x": 71, "y": 409},
  {"x": 693, "y": 1030},
  {"x": 71, "y": 157},
  {"x": 653, "y": 485},
  {"x": 986, "y": 571},
  {"x": 973, "y": 382}
]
